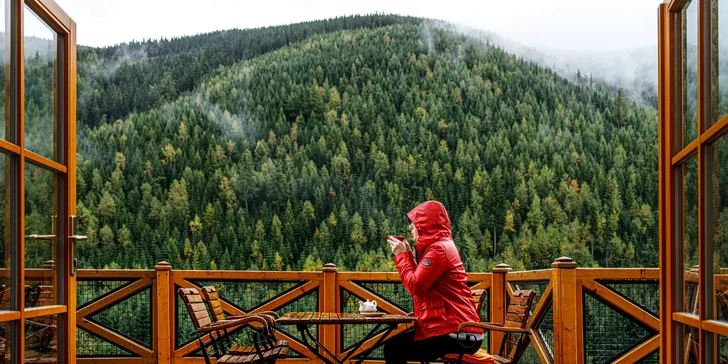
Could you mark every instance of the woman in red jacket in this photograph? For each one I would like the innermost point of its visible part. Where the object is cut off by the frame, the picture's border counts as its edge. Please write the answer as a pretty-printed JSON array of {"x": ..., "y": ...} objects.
[{"x": 438, "y": 285}]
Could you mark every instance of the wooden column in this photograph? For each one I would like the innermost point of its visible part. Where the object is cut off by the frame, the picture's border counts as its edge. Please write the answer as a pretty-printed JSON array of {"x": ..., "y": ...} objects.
[
  {"x": 565, "y": 306},
  {"x": 163, "y": 319},
  {"x": 498, "y": 303},
  {"x": 327, "y": 303}
]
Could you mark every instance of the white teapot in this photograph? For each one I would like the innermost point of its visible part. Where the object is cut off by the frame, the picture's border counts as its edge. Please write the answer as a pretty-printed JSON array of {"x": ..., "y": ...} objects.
[{"x": 368, "y": 306}]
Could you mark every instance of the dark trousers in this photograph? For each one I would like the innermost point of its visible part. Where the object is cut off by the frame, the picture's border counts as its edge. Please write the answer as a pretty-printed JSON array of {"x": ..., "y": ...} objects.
[{"x": 403, "y": 348}]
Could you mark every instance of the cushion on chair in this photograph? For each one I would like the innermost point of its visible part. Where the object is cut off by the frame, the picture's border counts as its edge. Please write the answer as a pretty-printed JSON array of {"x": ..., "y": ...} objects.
[{"x": 480, "y": 357}]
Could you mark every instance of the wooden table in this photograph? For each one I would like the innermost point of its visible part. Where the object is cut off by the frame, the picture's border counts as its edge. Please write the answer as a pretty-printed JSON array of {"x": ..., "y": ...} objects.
[{"x": 303, "y": 320}]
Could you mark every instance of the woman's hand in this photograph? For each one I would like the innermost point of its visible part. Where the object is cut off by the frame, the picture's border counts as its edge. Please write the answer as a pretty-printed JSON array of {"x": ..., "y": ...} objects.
[{"x": 398, "y": 246}]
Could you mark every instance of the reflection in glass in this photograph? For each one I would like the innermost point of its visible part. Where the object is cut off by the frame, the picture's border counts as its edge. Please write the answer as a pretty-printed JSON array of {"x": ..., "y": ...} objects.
[
  {"x": 4, "y": 248},
  {"x": 691, "y": 344},
  {"x": 40, "y": 83},
  {"x": 4, "y": 62},
  {"x": 690, "y": 74},
  {"x": 40, "y": 339},
  {"x": 40, "y": 236},
  {"x": 719, "y": 160},
  {"x": 5, "y": 353},
  {"x": 690, "y": 234},
  {"x": 719, "y": 44}
]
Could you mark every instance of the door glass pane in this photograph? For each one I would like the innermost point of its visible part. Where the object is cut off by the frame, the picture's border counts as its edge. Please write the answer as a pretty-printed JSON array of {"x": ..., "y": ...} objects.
[
  {"x": 40, "y": 85},
  {"x": 690, "y": 74},
  {"x": 4, "y": 230},
  {"x": 690, "y": 234},
  {"x": 691, "y": 344},
  {"x": 5, "y": 336},
  {"x": 4, "y": 69},
  {"x": 719, "y": 160},
  {"x": 719, "y": 44},
  {"x": 722, "y": 348},
  {"x": 40, "y": 239},
  {"x": 40, "y": 339}
]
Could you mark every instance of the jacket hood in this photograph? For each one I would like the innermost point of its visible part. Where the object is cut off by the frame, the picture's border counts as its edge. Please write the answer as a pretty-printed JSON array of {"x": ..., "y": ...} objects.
[{"x": 432, "y": 223}]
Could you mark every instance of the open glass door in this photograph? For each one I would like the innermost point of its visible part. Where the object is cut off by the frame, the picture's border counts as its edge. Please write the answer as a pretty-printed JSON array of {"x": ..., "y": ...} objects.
[{"x": 37, "y": 157}]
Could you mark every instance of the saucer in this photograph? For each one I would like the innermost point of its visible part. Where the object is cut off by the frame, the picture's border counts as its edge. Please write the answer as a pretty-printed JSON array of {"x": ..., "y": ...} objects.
[{"x": 372, "y": 314}]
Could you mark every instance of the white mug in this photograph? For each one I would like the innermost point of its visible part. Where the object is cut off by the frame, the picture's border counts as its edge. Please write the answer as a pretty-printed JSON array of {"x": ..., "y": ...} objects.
[{"x": 368, "y": 306}]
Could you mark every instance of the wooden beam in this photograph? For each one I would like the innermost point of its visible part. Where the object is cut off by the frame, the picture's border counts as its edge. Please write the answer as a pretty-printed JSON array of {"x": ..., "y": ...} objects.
[
  {"x": 118, "y": 339},
  {"x": 113, "y": 298},
  {"x": 237, "y": 275},
  {"x": 639, "y": 352},
  {"x": 529, "y": 276}
]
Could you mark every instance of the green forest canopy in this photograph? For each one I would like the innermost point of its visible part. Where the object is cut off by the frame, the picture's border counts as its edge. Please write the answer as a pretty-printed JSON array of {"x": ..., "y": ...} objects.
[{"x": 213, "y": 154}]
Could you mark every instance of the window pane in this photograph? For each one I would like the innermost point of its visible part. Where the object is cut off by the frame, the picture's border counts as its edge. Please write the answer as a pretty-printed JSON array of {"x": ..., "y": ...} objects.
[
  {"x": 40, "y": 85},
  {"x": 4, "y": 68},
  {"x": 40, "y": 236},
  {"x": 5, "y": 353},
  {"x": 722, "y": 348},
  {"x": 690, "y": 74},
  {"x": 719, "y": 160},
  {"x": 5, "y": 268},
  {"x": 691, "y": 344},
  {"x": 40, "y": 339},
  {"x": 719, "y": 44},
  {"x": 690, "y": 234}
]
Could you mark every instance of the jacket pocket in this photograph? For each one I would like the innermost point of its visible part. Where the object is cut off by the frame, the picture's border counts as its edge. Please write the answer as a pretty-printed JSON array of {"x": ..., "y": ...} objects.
[{"x": 433, "y": 314}]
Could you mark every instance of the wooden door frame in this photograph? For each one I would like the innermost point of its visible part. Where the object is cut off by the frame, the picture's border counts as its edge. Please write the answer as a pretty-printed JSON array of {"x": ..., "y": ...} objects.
[
  {"x": 671, "y": 156},
  {"x": 14, "y": 147}
]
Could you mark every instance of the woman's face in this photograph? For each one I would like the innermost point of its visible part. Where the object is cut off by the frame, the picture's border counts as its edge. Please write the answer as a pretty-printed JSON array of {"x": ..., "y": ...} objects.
[{"x": 413, "y": 230}]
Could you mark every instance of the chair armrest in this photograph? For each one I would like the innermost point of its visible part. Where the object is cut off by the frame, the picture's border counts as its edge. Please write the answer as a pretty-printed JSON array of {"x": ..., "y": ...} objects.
[
  {"x": 493, "y": 327},
  {"x": 270, "y": 321},
  {"x": 274, "y": 314},
  {"x": 224, "y": 324},
  {"x": 412, "y": 314}
]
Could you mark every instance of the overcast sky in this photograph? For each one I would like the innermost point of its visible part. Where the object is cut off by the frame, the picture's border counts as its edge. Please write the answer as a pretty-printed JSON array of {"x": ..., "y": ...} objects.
[{"x": 554, "y": 24}]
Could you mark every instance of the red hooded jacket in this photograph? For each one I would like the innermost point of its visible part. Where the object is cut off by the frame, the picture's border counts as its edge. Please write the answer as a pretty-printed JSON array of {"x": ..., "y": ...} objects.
[{"x": 438, "y": 285}]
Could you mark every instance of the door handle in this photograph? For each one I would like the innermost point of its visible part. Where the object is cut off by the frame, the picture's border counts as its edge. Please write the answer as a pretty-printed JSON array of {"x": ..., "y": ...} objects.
[{"x": 74, "y": 239}]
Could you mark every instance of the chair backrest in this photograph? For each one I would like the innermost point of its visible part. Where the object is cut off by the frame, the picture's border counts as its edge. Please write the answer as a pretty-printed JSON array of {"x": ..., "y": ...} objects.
[
  {"x": 479, "y": 297},
  {"x": 519, "y": 309},
  {"x": 213, "y": 303},
  {"x": 195, "y": 307}
]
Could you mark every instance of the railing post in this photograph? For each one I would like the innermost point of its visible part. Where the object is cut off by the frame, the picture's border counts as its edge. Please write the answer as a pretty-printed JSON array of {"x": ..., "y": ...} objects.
[
  {"x": 565, "y": 310},
  {"x": 163, "y": 318},
  {"x": 327, "y": 303},
  {"x": 498, "y": 302}
]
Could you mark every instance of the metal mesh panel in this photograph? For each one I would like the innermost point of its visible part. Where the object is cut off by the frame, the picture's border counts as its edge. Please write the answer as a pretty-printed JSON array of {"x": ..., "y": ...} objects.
[
  {"x": 537, "y": 286},
  {"x": 609, "y": 333},
  {"x": 723, "y": 348},
  {"x": 306, "y": 303},
  {"x": 653, "y": 358},
  {"x": 353, "y": 333},
  {"x": 247, "y": 295},
  {"x": 484, "y": 315},
  {"x": 530, "y": 356},
  {"x": 643, "y": 293},
  {"x": 131, "y": 317},
  {"x": 91, "y": 290},
  {"x": 546, "y": 329},
  {"x": 690, "y": 288},
  {"x": 394, "y": 292},
  {"x": 88, "y": 344}
]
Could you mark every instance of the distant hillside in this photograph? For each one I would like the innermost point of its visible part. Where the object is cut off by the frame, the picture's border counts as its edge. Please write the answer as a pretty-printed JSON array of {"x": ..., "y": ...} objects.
[
  {"x": 139, "y": 76},
  {"x": 315, "y": 151}
]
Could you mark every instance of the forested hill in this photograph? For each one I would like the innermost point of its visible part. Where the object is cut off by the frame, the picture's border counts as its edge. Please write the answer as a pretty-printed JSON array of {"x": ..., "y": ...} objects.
[
  {"x": 314, "y": 153},
  {"x": 138, "y": 76}
]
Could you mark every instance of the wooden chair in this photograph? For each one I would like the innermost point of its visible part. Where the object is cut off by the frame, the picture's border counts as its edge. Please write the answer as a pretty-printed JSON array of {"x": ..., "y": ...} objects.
[
  {"x": 512, "y": 348},
  {"x": 214, "y": 304},
  {"x": 209, "y": 333}
]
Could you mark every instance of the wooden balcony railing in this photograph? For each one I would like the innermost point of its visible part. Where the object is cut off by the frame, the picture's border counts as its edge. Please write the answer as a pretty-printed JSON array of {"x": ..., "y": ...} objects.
[{"x": 579, "y": 315}]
